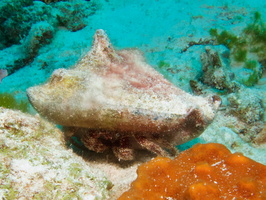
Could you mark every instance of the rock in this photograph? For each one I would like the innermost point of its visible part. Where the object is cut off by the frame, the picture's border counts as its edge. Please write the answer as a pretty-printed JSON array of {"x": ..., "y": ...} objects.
[
  {"x": 74, "y": 15},
  {"x": 247, "y": 105},
  {"x": 40, "y": 22},
  {"x": 35, "y": 163},
  {"x": 216, "y": 72},
  {"x": 39, "y": 35}
]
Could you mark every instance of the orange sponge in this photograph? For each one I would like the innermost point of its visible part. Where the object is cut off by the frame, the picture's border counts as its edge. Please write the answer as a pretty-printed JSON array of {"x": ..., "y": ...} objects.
[{"x": 206, "y": 171}]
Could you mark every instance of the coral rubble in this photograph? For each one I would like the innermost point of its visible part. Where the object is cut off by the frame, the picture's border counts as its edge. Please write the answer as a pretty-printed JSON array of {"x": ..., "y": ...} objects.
[
  {"x": 206, "y": 171},
  {"x": 113, "y": 99},
  {"x": 247, "y": 105},
  {"x": 35, "y": 164}
]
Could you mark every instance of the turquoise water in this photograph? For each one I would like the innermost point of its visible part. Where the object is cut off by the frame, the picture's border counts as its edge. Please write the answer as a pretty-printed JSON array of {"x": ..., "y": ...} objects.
[{"x": 38, "y": 37}]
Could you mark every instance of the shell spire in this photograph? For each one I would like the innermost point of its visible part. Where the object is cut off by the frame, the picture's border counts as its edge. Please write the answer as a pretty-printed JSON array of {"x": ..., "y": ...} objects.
[{"x": 103, "y": 47}]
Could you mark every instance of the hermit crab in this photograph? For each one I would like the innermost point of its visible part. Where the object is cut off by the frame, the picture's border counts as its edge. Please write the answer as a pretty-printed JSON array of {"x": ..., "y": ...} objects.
[{"x": 112, "y": 99}]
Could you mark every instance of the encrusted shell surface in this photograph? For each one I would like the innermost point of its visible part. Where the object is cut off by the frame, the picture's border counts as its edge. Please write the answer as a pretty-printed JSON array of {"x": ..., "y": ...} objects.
[{"x": 117, "y": 91}]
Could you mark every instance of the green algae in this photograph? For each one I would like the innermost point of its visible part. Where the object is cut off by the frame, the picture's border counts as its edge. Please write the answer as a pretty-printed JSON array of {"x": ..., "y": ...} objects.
[
  {"x": 75, "y": 170},
  {"x": 236, "y": 44},
  {"x": 163, "y": 64},
  {"x": 8, "y": 100},
  {"x": 240, "y": 55},
  {"x": 248, "y": 49},
  {"x": 226, "y": 38},
  {"x": 255, "y": 73},
  {"x": 252, "y": 39}
]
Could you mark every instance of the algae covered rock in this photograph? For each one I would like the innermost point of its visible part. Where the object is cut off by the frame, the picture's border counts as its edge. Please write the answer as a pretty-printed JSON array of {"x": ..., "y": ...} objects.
[
  {"x": 27, "y": 25},
  {"x": 216, "y": 69},
  {"x": 35, "y": 163},
  {"x": 247, "y": 105},
  {"x": 74, "y": 15}
]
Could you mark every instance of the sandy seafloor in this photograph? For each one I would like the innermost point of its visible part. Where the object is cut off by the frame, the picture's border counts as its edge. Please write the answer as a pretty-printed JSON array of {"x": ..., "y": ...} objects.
[{"x": 161, "y": 29}]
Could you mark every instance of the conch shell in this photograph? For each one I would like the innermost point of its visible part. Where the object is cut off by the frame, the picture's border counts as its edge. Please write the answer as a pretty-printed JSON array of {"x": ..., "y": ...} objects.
[{"x": 116, "y": 92}]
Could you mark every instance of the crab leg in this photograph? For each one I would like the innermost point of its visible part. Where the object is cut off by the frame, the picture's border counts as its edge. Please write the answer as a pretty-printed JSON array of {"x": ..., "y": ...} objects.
[
  {"x": 151, "y": 145},
  {"x": 123, "y": 150},
  {"x": 93, "y": 142}
]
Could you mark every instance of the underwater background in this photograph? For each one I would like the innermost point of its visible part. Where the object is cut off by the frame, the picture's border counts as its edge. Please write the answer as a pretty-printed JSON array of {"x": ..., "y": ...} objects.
[{"x": 204, "y": 47}]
